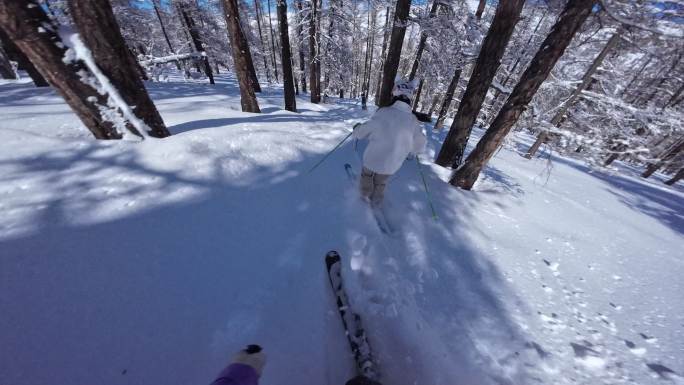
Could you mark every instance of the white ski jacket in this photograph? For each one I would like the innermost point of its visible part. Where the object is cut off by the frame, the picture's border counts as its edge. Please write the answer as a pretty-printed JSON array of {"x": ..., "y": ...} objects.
[{"x": 393, "y": 132}]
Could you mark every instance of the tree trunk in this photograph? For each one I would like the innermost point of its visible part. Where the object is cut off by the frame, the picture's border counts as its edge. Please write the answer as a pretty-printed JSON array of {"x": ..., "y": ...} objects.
[
  {"x": 668, "y": 75},
  {"x": 551, "y": 49},
  {"x": 418, "y": 93},
  {"x": 519, "y": 58},
  {"x": 6, "y": 70},
  {"x": 314, "y": 60},
  {"x": 637, "y": 75},
  {"x": 27, "y": 24},
  {"x": 331, "y": 28},
  {"x": 257, "y": 7},
  {"x": 488, "y": 61},
  {"x": 423, "y": 40},
  {"x": 240, "y": 53},
  {"x": 273, "y": 49},
  {"x": 288, "y": 81},
  {"x": 433, "y": 105},
  {"x": 382, "y": 56},
  {"x": 300, "y": 36},
  {"x": 196, "y": 41},
  {"x": 673, "y": 98},
  {"x": 447, "y": 98},
  {"x": 586, "y": 79},
  {"x": 371, "y": 46},
  {"x": 166, "y": 35},
  {"x": 100, "y": 32},
  {"x": 480, "y": 9},
  {"x": 666, "y": 156},
  {"x": 391, "y": 65},
  {"x": 23, "y": 63},
  {"x": 676, "y": 178}
]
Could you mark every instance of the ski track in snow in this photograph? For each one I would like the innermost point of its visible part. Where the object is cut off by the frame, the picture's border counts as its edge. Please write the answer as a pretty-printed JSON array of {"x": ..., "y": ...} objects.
[{"x": 151, "y": 262}]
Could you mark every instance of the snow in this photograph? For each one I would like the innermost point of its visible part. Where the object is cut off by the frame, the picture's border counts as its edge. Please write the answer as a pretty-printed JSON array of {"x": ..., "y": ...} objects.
[
  {"x": 151, "y": 262},
  {"x": 115, "y": 101}
]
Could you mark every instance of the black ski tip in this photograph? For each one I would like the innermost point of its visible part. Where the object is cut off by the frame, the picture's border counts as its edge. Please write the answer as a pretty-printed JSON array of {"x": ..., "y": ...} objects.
[{"x": 331, "y": 258}]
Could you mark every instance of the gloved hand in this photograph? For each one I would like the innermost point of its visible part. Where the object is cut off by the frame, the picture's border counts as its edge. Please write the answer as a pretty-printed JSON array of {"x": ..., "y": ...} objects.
[{"x": 253, "y": 356}]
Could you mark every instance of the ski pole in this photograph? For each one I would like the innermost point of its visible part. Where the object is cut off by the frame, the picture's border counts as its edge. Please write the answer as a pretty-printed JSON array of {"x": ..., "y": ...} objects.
[
  {"x": 330, "y": 152},
  {"x": 427, "y": 192}
]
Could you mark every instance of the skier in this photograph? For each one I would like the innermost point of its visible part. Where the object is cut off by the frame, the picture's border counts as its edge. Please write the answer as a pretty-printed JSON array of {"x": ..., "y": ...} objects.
[
  {"x": 393, "y": 133},
  {"x": 247, "y": 366}
]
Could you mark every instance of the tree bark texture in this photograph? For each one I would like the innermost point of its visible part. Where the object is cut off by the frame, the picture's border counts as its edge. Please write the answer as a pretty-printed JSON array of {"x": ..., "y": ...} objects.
[
  {"x": 586, "y": 80},
  {"x": 163, "y": 28},
  {"x": 302, "y": 54},
  {"x": 27, "y": 24},
  {"x": 389, "y": 71},
  {"x": 480, "y": 9},
  {"x": 371, "y": 46},
  {"x": 23, "y": 63},
  {"x": 418, "y": 94},
  {"x": 488, "y": 61},
  {"x": 288, "y": 81},
  {"x": 421, "y": 43},
  {"x": 99, "y": 30},
  {"x": 197, "y": 42},
  {"x": 273, "y": 49},
  {"x": 678, "y": 176},
  {"x": 257, "y": 11},
  {"x": 6, "y": 70},
  {"x": 669, "y": 154},
  {"x": 569, "y": 21},
  {"x": 385, "y": 35},
  {"x": 314, "y": 60},
  {"x": 448, "y": 97},
  {"x": 240, "y": 52}
]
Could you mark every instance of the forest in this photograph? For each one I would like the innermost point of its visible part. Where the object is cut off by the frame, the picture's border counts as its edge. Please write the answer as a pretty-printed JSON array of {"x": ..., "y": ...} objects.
[{"x": 173, "y": 163}]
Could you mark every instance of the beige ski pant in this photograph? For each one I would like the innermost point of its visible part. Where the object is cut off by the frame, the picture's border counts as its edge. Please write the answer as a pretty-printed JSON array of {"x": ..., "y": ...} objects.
[{"x": 372, "y": 186}]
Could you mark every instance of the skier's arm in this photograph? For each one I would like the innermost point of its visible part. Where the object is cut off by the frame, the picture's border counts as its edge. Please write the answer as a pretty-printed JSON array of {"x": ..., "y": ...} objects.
[
  {"x": 419, "y": 141},
  {"x": 364, "y": 129}
]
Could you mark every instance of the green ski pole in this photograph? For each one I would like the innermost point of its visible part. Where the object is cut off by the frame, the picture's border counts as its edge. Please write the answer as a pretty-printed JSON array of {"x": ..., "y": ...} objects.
[
  {"x": 427, "y": 192},
  {"x": 330, "y": 152}
]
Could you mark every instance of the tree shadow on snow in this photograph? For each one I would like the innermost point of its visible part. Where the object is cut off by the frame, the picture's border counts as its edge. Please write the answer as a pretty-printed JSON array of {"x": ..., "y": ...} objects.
[
  {"x": 106, "y": 290},
  {"x": 657, "y": 202},
  {"x": 442, "y": 301}
]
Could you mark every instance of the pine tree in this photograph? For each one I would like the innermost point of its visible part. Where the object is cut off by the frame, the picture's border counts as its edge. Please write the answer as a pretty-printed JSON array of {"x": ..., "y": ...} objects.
[
  {"x": 488, "y": 61},
  {"x": 23, "y": 62},
  {"x": 391, "y": 64},
  {"x": 6, "y": 70},
  {"x": 288, "y": 81},
  {"x": 569, "y": 21},
  {"x": 257, "y": 11},
  {"x": 240, "y": 53},
  {"x": 314, "y": 59},
  {"x": 558, "y": 118},
  {"x": 100, "y": 32},
  {"x": 301, "y": 48},
  {"x": 27, "y": 25},
  {"x": 448, "y": 97},
  {"x": 196, "y": 41},
  {"x": 423, "y": 41}
]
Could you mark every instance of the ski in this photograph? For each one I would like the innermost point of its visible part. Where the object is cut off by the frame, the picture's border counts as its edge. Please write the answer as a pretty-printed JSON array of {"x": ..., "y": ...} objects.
[{"x": 353, "y": 328}]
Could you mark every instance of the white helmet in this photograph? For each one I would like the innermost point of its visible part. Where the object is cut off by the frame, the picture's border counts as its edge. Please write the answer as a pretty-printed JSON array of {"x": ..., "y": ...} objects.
[{"x": 406, "y": 88}]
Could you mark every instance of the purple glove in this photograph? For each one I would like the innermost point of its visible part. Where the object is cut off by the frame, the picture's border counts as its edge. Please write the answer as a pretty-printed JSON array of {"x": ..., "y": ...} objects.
[{"x": 245, "y": 369}]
